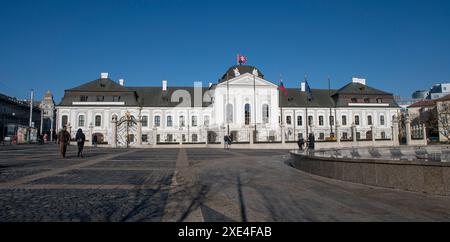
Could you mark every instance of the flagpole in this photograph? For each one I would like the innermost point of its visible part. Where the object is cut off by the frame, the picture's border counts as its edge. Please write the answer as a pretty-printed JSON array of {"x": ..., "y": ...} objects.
[
  {"x": 254, "y": 101},
  {"x": 281, "y": 107},
  {"x": 329, "y": 116},
  {"x": 227, "y": 106},
  {"x": 306, "y": 107}
]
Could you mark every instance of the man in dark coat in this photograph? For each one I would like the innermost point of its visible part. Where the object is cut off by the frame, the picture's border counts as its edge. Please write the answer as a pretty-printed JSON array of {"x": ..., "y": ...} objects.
[
  {"x": 80, "y": 137},
  {"x": 300, "y": 143},
  {"x": 63, "y": 140}
]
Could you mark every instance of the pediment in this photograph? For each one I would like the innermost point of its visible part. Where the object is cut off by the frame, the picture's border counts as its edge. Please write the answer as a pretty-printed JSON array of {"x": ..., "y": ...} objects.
[{"x": 248, "y": 80}]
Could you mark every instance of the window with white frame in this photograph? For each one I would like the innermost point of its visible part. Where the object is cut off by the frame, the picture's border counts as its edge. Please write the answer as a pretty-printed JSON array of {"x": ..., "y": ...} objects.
[
  {"x": 182, "y": 121},
  {"x": 144, "y": 121},
  {"x": 81, "y": 121},
  {"x": 98, "y": 120},
  {"x": 194, "y": 121},
  {"x": 265, "y": 113},
  {"x": 157, "y": 121},
  {"x": 169, "y": 121}
]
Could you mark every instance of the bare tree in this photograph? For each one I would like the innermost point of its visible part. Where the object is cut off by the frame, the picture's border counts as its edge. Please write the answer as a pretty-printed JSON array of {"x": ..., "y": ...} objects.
[{"x": 443, "y": 114}]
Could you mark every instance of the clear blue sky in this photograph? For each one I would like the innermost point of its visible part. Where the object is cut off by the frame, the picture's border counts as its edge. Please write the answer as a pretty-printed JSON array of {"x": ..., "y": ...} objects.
[{"x": 399, "y": 46}]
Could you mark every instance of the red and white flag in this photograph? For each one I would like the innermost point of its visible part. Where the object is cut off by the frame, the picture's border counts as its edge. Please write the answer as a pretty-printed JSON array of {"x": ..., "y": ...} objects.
[{"x": 241, "y": 59}]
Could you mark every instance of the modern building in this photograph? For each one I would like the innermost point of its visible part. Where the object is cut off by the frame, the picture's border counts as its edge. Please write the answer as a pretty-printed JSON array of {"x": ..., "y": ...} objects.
[
  {"x": 439, "y": 90},
  {"x": 15, "y": 115},
  {"x": 242, "y": 104}
]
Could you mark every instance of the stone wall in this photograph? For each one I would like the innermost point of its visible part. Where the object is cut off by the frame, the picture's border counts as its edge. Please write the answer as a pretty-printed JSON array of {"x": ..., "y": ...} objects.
[{"x": 417, "y": 176}]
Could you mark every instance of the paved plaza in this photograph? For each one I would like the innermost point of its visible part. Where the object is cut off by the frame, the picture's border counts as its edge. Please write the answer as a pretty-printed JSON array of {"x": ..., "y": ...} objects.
[{"x": 190, "y": 184}]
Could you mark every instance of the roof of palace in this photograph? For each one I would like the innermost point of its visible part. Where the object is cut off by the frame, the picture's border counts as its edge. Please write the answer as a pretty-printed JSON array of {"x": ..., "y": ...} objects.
[
  {"x": 156, "y": 97},
  {"x": 229, "y": 74}
]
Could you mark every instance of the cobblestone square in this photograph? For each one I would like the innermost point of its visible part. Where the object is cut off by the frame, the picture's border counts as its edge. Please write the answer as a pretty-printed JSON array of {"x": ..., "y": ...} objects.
[{"x": 190, "y": 184}]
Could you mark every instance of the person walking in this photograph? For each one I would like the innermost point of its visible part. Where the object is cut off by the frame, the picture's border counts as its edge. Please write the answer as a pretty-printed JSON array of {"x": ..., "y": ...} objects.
[
  {"x": 94, "y": 140},
  {"x": 80, "y": 137},
  {"x": 63, "y": 140},
  {"x": 300, "y": 143}
]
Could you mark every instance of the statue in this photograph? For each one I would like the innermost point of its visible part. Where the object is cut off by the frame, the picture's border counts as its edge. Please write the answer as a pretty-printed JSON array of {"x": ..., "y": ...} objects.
[
  {"x": 236, "y": 72},
  {"x": 255, "y": 72}
]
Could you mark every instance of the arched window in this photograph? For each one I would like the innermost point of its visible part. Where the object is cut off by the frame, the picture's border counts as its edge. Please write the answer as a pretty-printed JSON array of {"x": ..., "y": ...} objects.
[
  {"x": 265, "y": 113},
  {"x": 182, "y": 122},
  {"x": 98, "y": 120},
  {"x": 64, "y": 119},
  {"x": 169, "y": 121},
  {"x": 299, "y": 121},
  {"x": 206, "y": 120},
  {"x": 157, "y": 121},
  {"x": 114, "y": 117},
  {"x": 247, "y": 113},
  {"x": 320, "y": 120},
  {"x": 81, "y": 121},
  {"x": 229, "y": 113}
]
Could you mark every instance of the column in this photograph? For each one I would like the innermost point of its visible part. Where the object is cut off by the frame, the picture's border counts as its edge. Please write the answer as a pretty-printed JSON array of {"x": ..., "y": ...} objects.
[
  {"x": 206, "y": 139},
  {"x": 424, "y": 130},
  {"x": 354, "y": 134},
  {"x": 114, "y": 133},
  {"x": 91, "y": 132},
  {"x": 51, "y": 128},
  {"x": 337, "y": 134},
  {"x": 372, "y": 129},
  {"x": 222, "y": 134},
  {"x": 139, "y": 131},
  {"x": 408, "y": 131},
  {"x": 395, "y": 132},
  {"x": 180, "y": 136},
  {"x": 250, "y": 132},
  {"x": 283, "y": 134},
  {"x": 154, "y": 136}
]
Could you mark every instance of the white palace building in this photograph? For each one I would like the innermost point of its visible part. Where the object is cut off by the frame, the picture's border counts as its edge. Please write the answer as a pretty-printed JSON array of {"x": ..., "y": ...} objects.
[{"x": 242, "y": 104}]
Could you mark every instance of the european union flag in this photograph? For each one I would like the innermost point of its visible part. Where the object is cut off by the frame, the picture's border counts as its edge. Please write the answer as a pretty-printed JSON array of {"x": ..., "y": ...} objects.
[{"x": 308, "y": 91}]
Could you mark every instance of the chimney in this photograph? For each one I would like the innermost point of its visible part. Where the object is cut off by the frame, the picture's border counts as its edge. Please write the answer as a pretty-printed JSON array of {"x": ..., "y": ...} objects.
[
  {"x": 359, "y": 80},
  {"x": 164, "y": 85},
  {"x": 121, "y": 82},
  {"x": 303, "y": 86},
  {"x": 104, "y": 75}
]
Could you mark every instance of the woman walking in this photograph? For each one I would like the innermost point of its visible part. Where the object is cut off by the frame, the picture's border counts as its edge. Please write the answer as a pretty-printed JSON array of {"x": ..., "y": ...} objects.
[{"x": 80, "y": 137}]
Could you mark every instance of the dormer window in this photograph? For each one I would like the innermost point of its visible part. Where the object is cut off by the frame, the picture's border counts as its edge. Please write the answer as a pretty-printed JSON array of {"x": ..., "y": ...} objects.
[
  {"x": 83, "y": 98},
  {"x": 379, "y": 100},
  {"x": 100, "y": 98},
  {"x": 366, "y": 100},
  {"x": 116, "y": 98},
  {"x": 354, "y": 100}
]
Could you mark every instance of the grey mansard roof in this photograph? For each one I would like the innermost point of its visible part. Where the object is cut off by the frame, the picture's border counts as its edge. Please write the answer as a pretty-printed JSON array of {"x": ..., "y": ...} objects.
[
  {"x": 156, "y": 97},
  {"x": 132, "y": 96},
  {"x": 296, "y": 98}
]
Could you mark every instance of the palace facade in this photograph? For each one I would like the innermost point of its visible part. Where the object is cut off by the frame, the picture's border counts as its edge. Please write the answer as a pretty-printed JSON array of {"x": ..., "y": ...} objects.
[{"x": 242, "y": 103}]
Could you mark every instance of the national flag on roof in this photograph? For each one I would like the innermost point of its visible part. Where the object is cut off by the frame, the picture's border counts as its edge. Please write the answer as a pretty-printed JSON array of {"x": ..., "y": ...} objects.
[
  {"x": 308, "y": 91},
  {"x": 241, "y": 59},
  {"x": 282, "y": 88}
]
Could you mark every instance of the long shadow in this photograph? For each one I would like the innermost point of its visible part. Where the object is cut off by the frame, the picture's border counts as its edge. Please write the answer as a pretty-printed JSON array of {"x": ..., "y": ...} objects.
[{"x": 241, "y": 199}]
